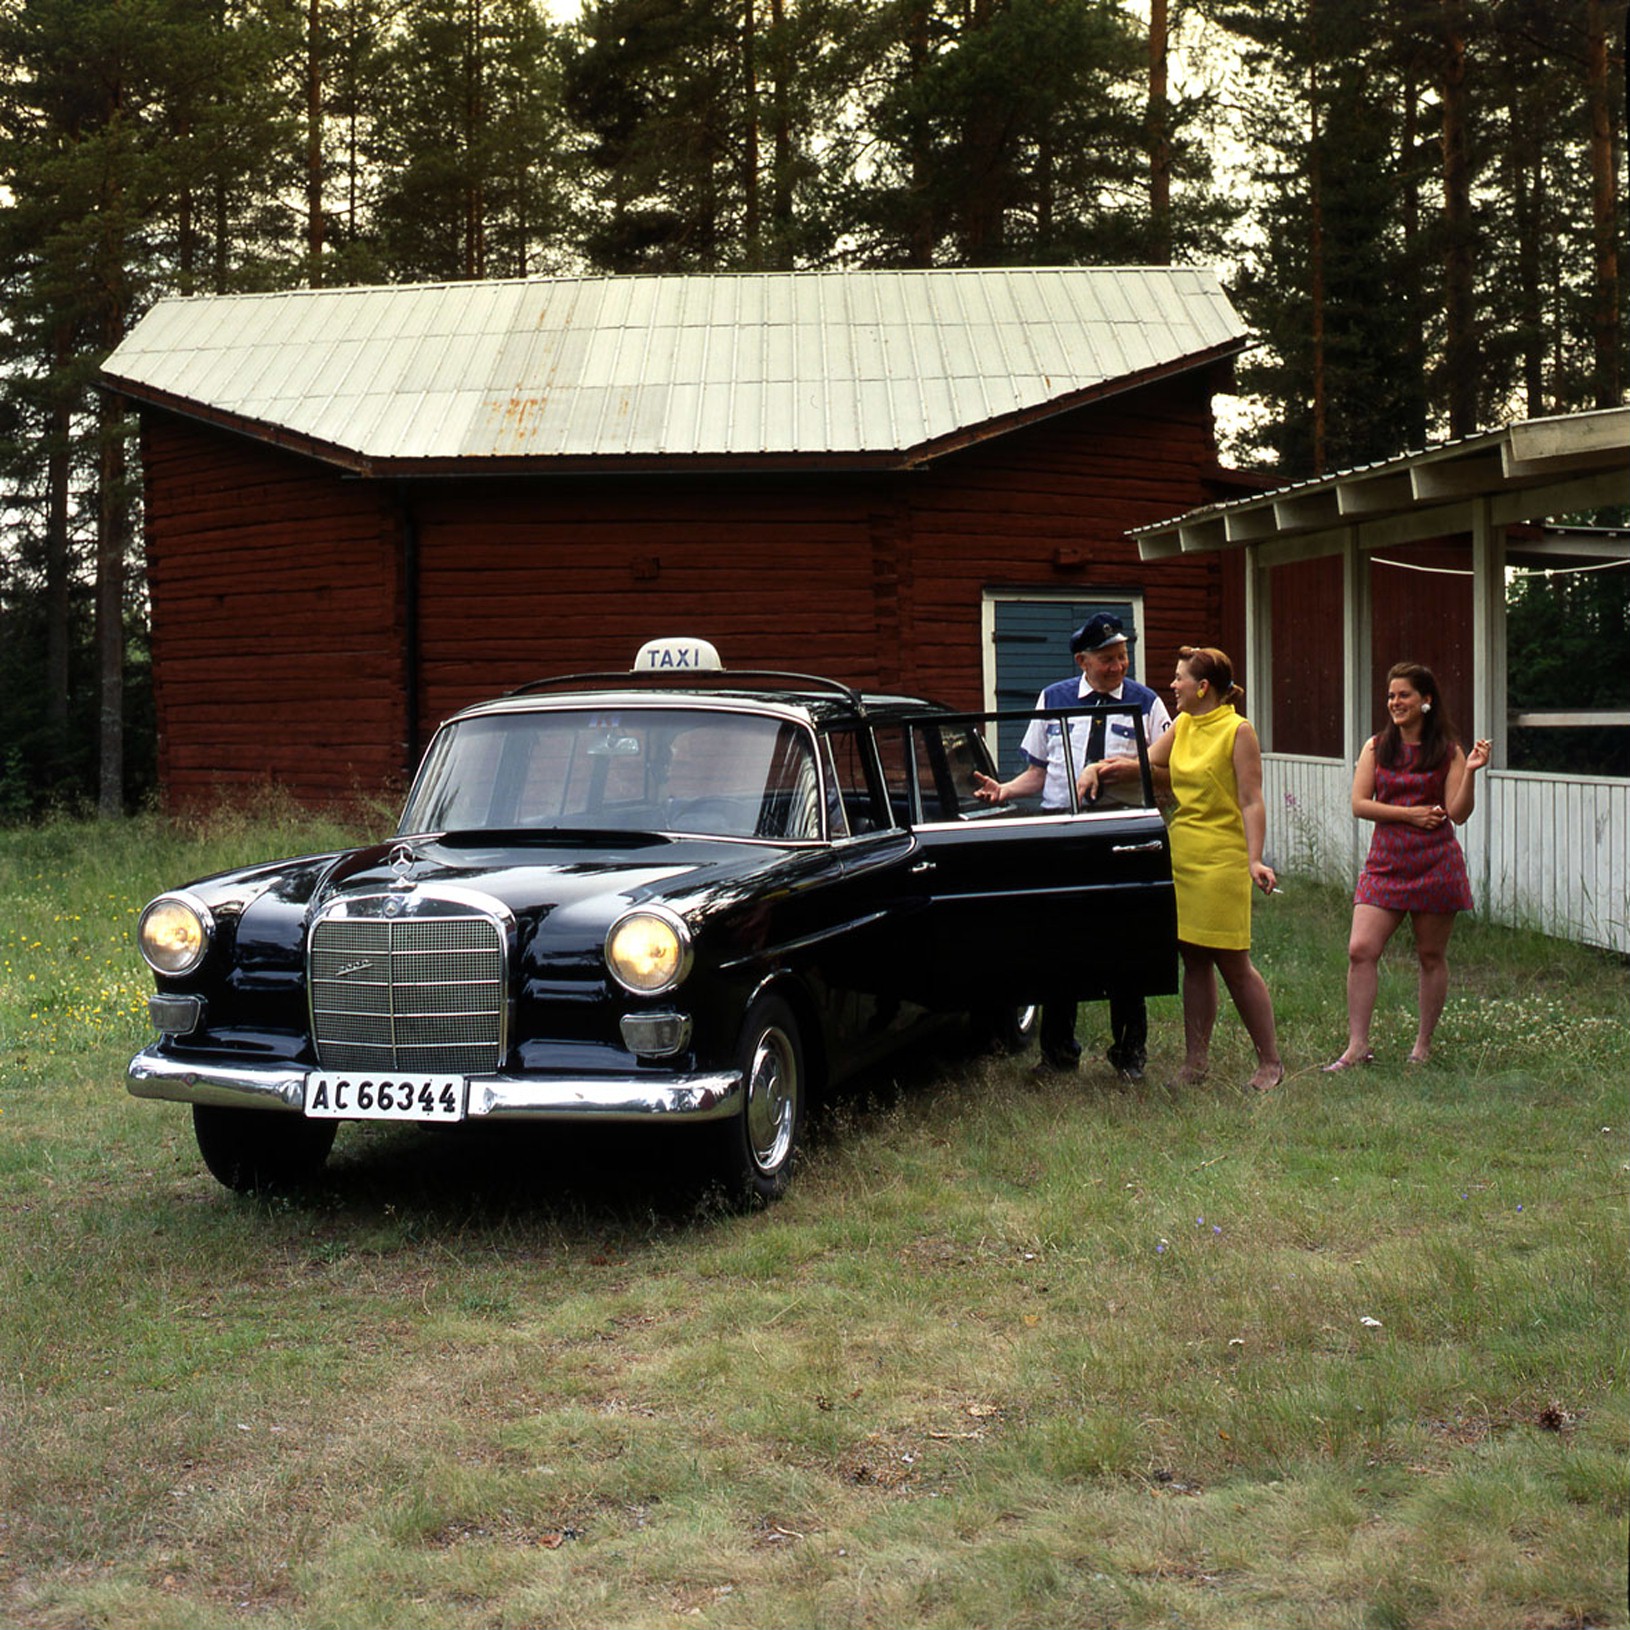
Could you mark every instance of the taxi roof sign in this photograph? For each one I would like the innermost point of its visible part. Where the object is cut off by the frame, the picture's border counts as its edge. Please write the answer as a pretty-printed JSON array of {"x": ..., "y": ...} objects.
[{"x": 676, "y": 655}]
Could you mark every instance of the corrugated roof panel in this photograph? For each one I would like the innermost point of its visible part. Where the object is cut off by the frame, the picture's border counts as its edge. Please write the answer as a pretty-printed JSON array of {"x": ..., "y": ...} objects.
[
  {"x": 396, "y": 418},
  {"x": 746, "y": 428},
  {"x": 628, "y": 302},
  {"x": 1137, "y": 354},
  {"x": 772, "y": 362},
  {"x": 430, "y": 424},
  {"x": 280, "y": 381},
  {"x": 684, "y": 403},
  {"x": 713, "y": 418},
  {"x": 779, "y": 422},
  {"x": 778, "y": 353},
  {"x": 647, "y": 418},
  {"x": 875, "y": 423},
  {"x": 866, "y": 358},
  {"x": 1112, "y": 361},
  {"x": 719, "y": 357},
  {"x": 939, "y": 405}
]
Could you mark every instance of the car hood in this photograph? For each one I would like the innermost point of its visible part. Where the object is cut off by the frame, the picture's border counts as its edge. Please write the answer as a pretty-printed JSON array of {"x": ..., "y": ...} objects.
[
  {"x": 611, "y": 872},
  {"x": 561, "y": 891}
]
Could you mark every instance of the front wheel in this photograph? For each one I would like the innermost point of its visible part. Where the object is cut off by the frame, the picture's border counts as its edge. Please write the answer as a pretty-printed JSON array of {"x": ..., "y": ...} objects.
[
  {"x": 756, "y": 1148},
  {"x": 251, "y": 1150}
]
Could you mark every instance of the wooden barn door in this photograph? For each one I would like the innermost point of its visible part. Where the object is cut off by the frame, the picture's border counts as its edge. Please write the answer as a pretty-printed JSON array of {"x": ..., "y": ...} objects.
[{"x": 1027, "y": 647}]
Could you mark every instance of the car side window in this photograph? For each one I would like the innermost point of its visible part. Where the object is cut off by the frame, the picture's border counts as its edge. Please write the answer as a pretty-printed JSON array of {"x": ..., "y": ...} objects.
[
  {"x": 894, "y": 749},
  {"x": 792, "y": 801},
  {"x": 858, "y": 795},
  {"x": 947, "y": 758},
  {"x": 950, "y": 759}
]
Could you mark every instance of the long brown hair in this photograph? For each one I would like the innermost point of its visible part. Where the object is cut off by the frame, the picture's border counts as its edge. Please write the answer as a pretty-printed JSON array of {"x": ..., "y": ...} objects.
[
  {"x": 1208, "y": 663},
  {"x": 1438, "y": 736}
]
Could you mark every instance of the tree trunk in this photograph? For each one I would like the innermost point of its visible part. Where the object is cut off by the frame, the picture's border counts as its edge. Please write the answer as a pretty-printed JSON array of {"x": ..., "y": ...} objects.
[
  {"x": 111, "y": 537},
  {"x": 57, "y": 563},
  {"x": 923, "y": 228},
  {"x": 1160, "y": 138},
  {"x": 1604, "y": 210},
  {"x": 1316, "y": 279},
  {"x": 1460, "y": 347},
  {"x": 781, "y": 106},
  {"x": 314, "y": 143},
  {"x": 749, "y": 140}
]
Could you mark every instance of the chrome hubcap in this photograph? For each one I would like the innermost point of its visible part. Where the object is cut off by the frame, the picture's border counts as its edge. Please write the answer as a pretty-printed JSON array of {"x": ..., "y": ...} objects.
[{"x": 772, "y": 1097}]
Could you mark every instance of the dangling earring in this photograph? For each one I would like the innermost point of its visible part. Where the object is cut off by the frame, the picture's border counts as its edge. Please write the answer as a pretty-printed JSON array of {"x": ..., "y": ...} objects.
[{"x": 1426, "y": 707}]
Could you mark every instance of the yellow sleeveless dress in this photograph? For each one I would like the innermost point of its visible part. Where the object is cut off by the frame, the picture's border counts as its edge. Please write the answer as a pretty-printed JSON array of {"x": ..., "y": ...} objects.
[{"x": 1210, "y": 866}]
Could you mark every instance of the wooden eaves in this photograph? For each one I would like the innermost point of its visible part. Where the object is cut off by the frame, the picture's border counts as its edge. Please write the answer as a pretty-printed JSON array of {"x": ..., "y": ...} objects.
[{"x": 1475, "y": 487}]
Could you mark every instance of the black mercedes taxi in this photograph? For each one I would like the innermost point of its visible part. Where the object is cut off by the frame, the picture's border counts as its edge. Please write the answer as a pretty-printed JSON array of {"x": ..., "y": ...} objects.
[{"x": 683, "y": 896}]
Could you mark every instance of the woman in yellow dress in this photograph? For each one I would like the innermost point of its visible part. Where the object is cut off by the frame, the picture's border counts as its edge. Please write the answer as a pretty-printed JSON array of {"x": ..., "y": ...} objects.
[{"x": 1212, "y": 763}]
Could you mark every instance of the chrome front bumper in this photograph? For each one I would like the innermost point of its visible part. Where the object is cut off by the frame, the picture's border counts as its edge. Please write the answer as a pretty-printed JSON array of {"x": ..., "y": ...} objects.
[{"x": 706, "y": 1097}]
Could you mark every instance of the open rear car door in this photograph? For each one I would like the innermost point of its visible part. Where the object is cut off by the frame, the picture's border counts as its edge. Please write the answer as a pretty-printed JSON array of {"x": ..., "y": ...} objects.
[{"x": 1011, "y": 904}]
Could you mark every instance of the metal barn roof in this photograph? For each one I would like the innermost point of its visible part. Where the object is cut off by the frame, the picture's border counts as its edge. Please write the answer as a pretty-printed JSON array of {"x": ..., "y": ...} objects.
[{"x": 885, "y": 366}]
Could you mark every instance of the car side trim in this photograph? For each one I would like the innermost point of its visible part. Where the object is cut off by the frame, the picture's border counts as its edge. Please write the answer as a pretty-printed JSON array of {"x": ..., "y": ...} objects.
[{"x": 706, "y": 1096}]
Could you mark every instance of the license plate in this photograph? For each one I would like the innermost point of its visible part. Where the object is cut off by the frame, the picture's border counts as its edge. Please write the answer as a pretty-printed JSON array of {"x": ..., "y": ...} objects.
[{"x": 335, "y": 1096}]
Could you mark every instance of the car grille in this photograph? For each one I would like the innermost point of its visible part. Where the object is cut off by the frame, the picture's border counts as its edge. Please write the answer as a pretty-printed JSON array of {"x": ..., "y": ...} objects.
[{"x": 423, "y": 995}]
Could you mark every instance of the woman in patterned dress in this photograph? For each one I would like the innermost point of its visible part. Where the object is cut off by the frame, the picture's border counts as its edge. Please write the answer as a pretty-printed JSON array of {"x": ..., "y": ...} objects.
[
  {"x": 1417, "y": 785},
  {"x": 1212, "y": 762}
]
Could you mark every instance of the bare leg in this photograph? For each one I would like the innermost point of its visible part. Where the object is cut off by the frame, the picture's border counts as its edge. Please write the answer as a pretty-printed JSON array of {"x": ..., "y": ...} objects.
[
  {"x": 1199, "y": 1010},
  {"x": 1250, "y": 993},
  {"x": 1373, "y": 926},
  {"x": 1432, "y": 931}
]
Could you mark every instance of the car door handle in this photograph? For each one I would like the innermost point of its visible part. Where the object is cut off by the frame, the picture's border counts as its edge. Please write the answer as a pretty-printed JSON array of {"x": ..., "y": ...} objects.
[
  {"x": 923, "y": 866},
  {"x": 1153, "y": 846}
]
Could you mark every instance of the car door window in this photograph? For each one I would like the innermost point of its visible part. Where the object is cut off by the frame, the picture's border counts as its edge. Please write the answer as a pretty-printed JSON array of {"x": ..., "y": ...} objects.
[
  {"x": 860, "y": 807},
  {"x": 946, "y": 756}
]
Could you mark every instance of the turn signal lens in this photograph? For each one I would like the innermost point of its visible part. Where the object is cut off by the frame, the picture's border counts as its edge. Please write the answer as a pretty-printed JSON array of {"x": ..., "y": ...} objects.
[
  {"x": 648, "y": 952},
  {"x": 174, "y": 934}
]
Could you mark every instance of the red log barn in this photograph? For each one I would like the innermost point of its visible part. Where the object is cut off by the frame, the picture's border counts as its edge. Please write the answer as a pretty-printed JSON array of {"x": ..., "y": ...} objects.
[{"x": 367, "y": 507}]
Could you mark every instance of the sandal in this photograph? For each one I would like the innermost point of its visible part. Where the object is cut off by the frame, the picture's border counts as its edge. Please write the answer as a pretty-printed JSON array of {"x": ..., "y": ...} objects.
[
  {"x": 1345, "y": 1063},
  {"x": 1268, "y": 1086}
]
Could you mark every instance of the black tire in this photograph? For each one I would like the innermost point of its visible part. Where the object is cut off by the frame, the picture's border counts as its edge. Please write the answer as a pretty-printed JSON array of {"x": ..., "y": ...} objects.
[
  {"x": 756, "y": 1149},
  {"x": 1008, "y": 1029},
  {"x": 260, "y": 1150}
]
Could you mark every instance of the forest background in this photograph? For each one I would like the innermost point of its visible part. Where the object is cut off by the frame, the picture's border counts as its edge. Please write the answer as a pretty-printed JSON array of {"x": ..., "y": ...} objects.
[{"x": 1418, "y": 204}]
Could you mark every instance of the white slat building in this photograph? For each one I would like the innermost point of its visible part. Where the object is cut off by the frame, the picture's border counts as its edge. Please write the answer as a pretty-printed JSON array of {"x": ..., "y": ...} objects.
[{"x": 1549, "y": 851}]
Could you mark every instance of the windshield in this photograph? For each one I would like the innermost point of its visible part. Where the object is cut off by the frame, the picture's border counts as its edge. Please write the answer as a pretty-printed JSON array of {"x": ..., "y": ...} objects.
[{"x": 736, "y": 775}]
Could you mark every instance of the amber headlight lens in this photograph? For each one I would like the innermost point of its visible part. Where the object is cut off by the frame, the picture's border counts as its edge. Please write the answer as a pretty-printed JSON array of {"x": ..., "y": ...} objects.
[
  {"x": 648, "y": 952},
  {"x": 174, "y": 934}
]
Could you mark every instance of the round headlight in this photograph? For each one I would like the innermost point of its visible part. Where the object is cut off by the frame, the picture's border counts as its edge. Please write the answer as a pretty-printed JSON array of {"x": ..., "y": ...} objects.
[
  {"x": 174, "y": 934},
  {"x": 648, "y": 951}
]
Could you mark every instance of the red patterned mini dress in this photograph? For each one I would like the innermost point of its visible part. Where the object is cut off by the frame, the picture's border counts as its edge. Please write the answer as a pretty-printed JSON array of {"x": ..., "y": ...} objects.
[{"x": 1410, "y": 868}]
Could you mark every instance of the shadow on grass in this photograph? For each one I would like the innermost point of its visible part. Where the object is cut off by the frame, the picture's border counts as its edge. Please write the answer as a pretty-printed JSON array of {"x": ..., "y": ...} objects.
[{"x": 588, "y": 1180}]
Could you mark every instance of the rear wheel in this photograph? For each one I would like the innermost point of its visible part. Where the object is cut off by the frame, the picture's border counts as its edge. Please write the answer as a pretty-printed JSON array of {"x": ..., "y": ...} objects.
[
  {"x": 1008, "y": 1029},
  {"x": 251, "y": 1150},
  {"x": 756, "y": 1148}
]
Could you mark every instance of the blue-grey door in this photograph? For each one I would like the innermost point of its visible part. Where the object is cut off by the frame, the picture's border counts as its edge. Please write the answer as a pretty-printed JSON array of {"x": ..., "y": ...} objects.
[{"x": 1032, "y": 639}]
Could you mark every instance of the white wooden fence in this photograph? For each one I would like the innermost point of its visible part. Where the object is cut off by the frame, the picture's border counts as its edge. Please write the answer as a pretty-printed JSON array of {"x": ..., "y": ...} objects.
[{"x": 1550, "y": 852}]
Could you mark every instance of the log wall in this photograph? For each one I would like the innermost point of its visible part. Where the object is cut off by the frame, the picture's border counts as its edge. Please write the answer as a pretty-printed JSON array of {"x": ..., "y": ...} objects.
[
  {"x": 277, "y": 622},
  {"x": 286, "y": 638}
]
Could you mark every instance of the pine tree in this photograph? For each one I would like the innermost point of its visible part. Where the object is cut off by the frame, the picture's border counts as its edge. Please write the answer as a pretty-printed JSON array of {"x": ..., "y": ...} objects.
[
  {"x": 661, "y": 89},
  {"x": 1005, "y": 132},
  {"x": 467, "y": 142},
  {"x": 1336, "y": 282}
]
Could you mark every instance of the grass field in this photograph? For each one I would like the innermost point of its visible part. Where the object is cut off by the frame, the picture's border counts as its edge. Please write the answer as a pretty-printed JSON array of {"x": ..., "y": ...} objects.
[{"x": 1010, "y": 1353}]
